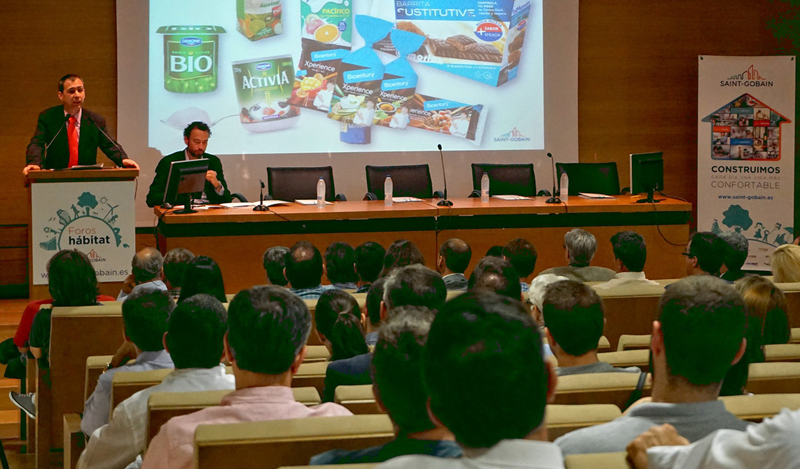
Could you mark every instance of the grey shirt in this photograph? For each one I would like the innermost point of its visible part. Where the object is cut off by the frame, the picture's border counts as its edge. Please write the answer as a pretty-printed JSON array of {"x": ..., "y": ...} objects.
[
  {"x": 588, "y": 273},
  {"x": 455, "y": 282},
  {"x": 599, "y": 367},
  {"x": 693, "y": 421}
]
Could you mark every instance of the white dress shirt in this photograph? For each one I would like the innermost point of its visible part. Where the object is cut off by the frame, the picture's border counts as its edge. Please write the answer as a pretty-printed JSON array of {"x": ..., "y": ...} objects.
[
  {"x": 507, "y": 454},
  {"x": 773, "y": 444},
  {"x": 627, "y": 278},
  {"x": 117, "y": 444}
]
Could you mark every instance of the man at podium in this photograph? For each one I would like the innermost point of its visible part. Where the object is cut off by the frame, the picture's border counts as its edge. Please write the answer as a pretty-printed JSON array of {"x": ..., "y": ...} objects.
[{"x": 69, "y": 135}]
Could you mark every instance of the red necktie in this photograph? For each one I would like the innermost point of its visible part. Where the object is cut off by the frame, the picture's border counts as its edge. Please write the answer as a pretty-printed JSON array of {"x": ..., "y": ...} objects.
[{"x": 72, "y": 138}]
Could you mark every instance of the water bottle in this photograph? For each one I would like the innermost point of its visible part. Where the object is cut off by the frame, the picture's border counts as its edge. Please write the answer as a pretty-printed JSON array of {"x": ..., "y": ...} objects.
[
  {"x": 564, "y": 187},
  {"x": 388, "y": 190},
  {"x": 321, "y": 193},
  {"x": 485, "y": 188}
]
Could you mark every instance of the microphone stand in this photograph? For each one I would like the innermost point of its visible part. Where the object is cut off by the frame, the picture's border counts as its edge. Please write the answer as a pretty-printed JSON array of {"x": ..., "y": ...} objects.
[
  {"x": 444, "y": 202},
  {"x": 47, "y": 147},
  {"x": 554, "y": 199},
  {"x": 260, "y": 207},
  {"x": 123, "y": 155}
]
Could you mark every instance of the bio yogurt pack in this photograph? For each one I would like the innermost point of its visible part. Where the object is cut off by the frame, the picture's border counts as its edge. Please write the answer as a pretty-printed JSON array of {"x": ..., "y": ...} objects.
[{"x": 191, "y": 55}]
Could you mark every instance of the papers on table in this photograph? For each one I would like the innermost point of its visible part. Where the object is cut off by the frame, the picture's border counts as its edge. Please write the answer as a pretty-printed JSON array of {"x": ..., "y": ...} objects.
[
  {"x": 510, "y": 197},
  {"x": 267, "y": 203},
  {"x": 400, "y": 200},
  {"x": 589, "y": 195},
  {"x": 310, "y": 202}
]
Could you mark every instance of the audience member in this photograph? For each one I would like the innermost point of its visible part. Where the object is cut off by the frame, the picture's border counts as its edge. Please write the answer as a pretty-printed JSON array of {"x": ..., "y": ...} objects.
[
  {"x": 522, "y": 255},
  {"x": 580, "y": 246},
  {"x": 400, "y": 254},
  {"x": 536, "y": 301},
  {"x": 145, "y": 315},
  {"x": 371, "y": 312},
  {"x": 339, "y": 326},
  {"x": 175, "y": 263},
  {"x": 399, "y": 391},
  {"x": 266, "y": 342},
  {"x": 488, "y": 384},
  {"x": 699, "y": 334},
  {"x": 203, "y": 275},
  {"x": 630, "y": 254},
  {"x": 704, "y": 254},
  {"x": 304, "y": 271},
  {"x": 369, "y": 262},
  {"x": 785, "y": 264},
  {"x": 736, "y": 253},
  {"x": 494, "y": 251},
  {"x": 340, "y": 266},
  {"x": 274, "y": 263},
  {"x": 146, "y": 273},
  {"x": 453, "y": 260},
  {"x": 497, "y": 275},
  {"x": 574, "y": 319},
  {"x": 194, "y": 341}
]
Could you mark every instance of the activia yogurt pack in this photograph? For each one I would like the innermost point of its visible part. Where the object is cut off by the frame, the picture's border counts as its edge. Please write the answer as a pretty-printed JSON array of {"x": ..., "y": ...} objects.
[
  {"x": 191, "y": 56},
  {"x": 263, "y": 87}
]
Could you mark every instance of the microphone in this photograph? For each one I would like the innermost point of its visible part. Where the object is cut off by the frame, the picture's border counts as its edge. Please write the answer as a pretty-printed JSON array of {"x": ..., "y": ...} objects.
[
  {"x": 46, "y": 147},
  {"x": 122, "y": 152},
  {"x": 260, "y": 207},
  {"x": 444, "y": 202},
  {"x": 554, "y": 199}
]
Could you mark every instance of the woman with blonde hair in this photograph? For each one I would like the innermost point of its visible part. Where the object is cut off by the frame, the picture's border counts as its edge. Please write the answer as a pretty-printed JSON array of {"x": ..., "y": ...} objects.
[{"x": 785, "y": 264}]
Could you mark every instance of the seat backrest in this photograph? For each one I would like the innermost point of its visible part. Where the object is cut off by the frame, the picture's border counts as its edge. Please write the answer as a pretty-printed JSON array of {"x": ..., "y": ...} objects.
[
  {"x": 277, "y": 443},
  {"x": 773, "y": 378},
  {"x": 593, "y": 461},
  {"x": 633, "y": 342},
  {"x": 596, "y": 178},
  {"x": 599, "y": 388},
  {"x": 639, "y": 358},
  {"x": 506, "y": 179},
  {"x": 782, "y": 352},
  {"x": 311, "y": 374},
  {"x": 357, "y": 399},
  {"x": 628, "y": 315},
  {"x": 562, "y": 419},
  {"x": 757, "y": 407},
  {"x": 407, "y": 181},
  {"x": 125, "y": 384},
  {"x": 299, "y": 183},
  {"x": 95, "y": 366}
]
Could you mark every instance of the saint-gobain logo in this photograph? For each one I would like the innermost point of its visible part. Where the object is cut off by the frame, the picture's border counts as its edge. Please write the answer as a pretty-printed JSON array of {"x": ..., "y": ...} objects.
[
  {"x": 191, "y": 41},
  {"x": 512, "y": 136},
  {"x": 264, "y": 66},
  {"x": 489, "y": 31}
]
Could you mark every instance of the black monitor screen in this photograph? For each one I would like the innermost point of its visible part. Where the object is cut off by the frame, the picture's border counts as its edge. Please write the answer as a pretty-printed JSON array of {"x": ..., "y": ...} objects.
[
  {"x": 185, "y": 177},
  {"x": 647, "y": 172}
]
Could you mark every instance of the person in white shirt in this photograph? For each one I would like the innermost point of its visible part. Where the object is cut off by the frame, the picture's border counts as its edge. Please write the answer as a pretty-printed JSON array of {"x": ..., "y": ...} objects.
[
  {"x": 194, "y": 340},
  {"x": 630, "y": 254},
  {"x": 146, "y": 273},
  {"x": 488, "y": 384}
]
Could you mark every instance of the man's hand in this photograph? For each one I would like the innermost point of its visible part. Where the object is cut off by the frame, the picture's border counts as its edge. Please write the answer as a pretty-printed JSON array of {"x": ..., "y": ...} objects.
[
  {"x": 30, "y": 167},
  {"x": 128, "y": 284},
  {"x": 211, "y": 176},
  {"x": 665, "y": 435},
  {"x": 125, "y": 353},
  {"x": 129, "y": 163}
]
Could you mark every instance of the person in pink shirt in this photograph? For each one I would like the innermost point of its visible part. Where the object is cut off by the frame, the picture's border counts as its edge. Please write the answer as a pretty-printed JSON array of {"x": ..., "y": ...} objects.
[{"x": 266, "y": 342}]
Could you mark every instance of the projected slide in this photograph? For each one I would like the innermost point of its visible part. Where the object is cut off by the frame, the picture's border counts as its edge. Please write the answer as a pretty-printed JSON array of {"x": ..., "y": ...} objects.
[{"x": 338, "y": 76}]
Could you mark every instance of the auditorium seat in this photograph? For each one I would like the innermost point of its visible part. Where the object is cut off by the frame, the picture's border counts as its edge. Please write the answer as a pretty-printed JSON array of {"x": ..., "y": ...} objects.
[
  {"x": 272, "y": 444},
  {"x": 604, "y": 345},
  {"x": 599, "y": 388},
  {"x": 407, "y": 181},
  {"x": 792, "y": 293},
  {"x": 562, "y": 419},
  {"x": 294, "y": 183},
  {"x": 505, "y": 179},
  {"x": 782, "y": 353},
  {"x": 795, "y": 337},
  {"x": 633, "y": 342},
  {"x": 629, "y": 310},
  {"x": 357, "y": 399},
  {"x": 597, "y": 461},
  {"x": 640, "y": 358},
  {"x": 95, "y": 366},
  {"x": 311, "y": 374},
  {"x": 773, "y": 378},
  {"x": 757, "y": 407}
]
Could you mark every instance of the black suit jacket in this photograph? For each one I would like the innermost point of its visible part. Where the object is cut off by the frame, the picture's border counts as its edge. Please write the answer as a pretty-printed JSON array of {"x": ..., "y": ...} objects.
[
  {"x": 51, "y": 121},
  {"x": 156, "y": 194},
  {"x": 347, "y": 372}
]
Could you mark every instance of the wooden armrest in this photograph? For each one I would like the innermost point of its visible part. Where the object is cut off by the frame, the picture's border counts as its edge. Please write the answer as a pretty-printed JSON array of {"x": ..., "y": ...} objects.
[{"x": 74, "y": 440}]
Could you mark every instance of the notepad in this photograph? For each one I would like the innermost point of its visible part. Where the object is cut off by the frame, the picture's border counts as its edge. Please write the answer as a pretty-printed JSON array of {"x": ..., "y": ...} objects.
[
  {"x": 310, "y": 202},
  {"x": 400, "y": 200},
  {"x": 267, "y": 203},
  {"x": 589, "y": 195},
  {"x": 510, "y": 197}
]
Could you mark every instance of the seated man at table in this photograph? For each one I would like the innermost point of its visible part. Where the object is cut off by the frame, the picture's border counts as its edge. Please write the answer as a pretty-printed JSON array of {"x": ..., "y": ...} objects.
[
  {"x": 145, "y": 315},
  {"x": 274, "y": 263},
  {"x": 630, "y": 254},
  {"x": 705, "y": 254},
  {"x": 488, "y": 384},
  {"x": 146, "y": 273},
  {"x": 579, "y": 247},
  {"x": 175, "y": 263},
  {"x": 497, "y": 275},
  {"x": 522, "y": 255},
  {"x": 266, "y": 342},
  {"x": 453, "y": 260},
  {"x": 699, "y": 334},
  {"x": 369, "y": 262},
  {"x": 574, "y": 320},
  {"x": 194, "y": 341},
  {"x": 340, "y": 266},
  {"x": 735, "y": 255},
  {"x": 399, "y": 391},
  {"x": 304, "y": 271}
]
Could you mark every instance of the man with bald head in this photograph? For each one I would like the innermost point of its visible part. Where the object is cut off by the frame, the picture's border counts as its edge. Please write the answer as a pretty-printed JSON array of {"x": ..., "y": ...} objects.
[
  {"x": 453, "y": 260},
  {"x": 146, "y": 273},
  {"x": 304, "y": 271}
]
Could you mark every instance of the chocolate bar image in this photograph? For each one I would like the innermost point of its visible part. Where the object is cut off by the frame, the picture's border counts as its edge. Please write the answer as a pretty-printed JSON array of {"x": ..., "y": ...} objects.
[
  {"x": 462, "y": 42},
  {"x": 479, "y": 53},
  {"x": 516, "y": 44}
]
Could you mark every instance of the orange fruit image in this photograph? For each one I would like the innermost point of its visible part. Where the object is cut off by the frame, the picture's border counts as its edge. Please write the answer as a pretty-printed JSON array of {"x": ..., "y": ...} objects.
[{"x": 326, "y": 33}]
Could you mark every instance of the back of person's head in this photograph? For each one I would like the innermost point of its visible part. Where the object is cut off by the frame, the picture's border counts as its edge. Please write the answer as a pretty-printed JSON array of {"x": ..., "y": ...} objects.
[
  {"x": 145, "y": 314},
  {"x": 539, "y": 287},
  {"x": 581, "y": 246},
  {"x": 785, "y": 264},
  {"x": 497, "y": 275},
  {"x": 522, "y": 255},
  {"x": 574, "y": 315},
  {"x": 400, "y": 254},
  {"x": 196, "y": 328},
  {"x": 369, "y": 261},
  {"x": 703, "y": 322},
  {"x": 456, "y": 254},
  {"x": 737, "y": 249},
  {"x": 274, "y": 263},
  {"x": 267, "y": 329},
  {"x": 340, "y": 263},
  {"x": 766, "y": 304},
  {"x": 373, "y": 301},
  {"x": 630, "y": 249},
  {"x": 338, "y": 318},
  {"x": 203, "y": 275},
  {"x": 397, "y": 368},
  {"x": 414, "y": 285},
  {"x": 709, "y": 250},
  {"x": 146, "y": 265},
  {"x": 71, "y": 279},
  {"x": 495, "y": 251},
  {"x": 304, "y": 265},
  {"x": 175, "y": 263},
  {"x": 483, "y": 369}
]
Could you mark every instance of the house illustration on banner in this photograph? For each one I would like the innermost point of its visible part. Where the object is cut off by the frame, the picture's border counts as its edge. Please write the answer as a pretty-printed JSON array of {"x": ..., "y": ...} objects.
[{"x": 746, "y": 129}]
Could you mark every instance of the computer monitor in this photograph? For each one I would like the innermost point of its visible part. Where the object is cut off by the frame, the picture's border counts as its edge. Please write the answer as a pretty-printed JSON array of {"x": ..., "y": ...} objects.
[
  {"x": 647, "y": 174},
  {"x": 185, "y": 178}
]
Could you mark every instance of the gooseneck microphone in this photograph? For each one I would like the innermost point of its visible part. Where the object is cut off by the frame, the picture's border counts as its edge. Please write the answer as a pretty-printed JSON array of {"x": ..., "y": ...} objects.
[
  {"x": 554, "y": 199},
  {"x": 444, "y": 202},
  {"x": 64, "y": 124},
  {"x": 260, "y": 207},
  {"x": 122, "y": 152}
]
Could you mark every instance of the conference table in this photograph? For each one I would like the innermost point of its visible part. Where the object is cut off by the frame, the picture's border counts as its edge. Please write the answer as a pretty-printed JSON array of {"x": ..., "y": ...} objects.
[{"x": 237, "y": 237}]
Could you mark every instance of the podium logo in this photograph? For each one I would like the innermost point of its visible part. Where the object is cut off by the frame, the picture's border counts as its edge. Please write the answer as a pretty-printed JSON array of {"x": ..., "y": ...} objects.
[{"x": 87, "y": 225}]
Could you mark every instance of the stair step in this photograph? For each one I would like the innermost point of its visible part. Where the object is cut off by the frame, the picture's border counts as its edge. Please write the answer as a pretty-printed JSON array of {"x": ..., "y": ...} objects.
[
  {"x": 6, "y": 386},
  {"x": 9, "y": 424}
]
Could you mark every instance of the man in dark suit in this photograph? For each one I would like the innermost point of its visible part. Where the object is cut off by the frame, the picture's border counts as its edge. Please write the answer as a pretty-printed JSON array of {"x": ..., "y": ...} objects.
[
  {"x": 69, "y": 135},
  {"x": 196, "y": 137}
]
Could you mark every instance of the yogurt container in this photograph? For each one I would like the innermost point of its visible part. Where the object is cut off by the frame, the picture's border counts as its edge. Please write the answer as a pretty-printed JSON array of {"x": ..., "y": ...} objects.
[
  {"x": 259, "y": 19},
  {"x": 191, "y": 55},
  {"x": 263, "y": 89}
]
